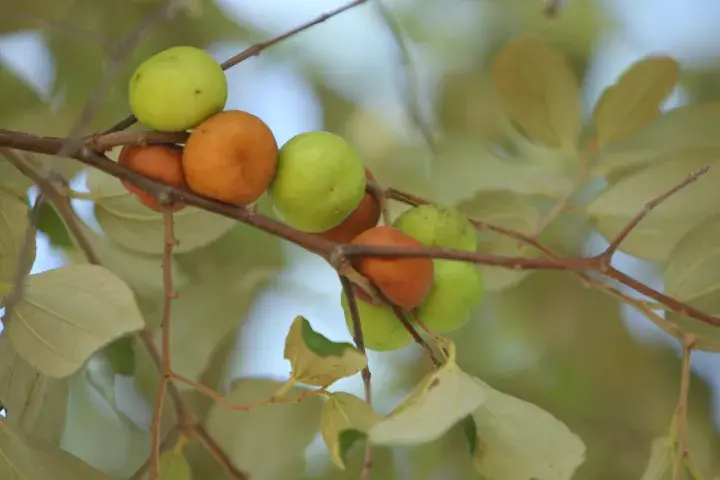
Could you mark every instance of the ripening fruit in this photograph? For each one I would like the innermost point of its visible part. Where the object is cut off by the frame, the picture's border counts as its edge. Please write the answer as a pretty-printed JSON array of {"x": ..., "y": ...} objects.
[
  {"x": 231, "y": 157},
  {"x": 457, "y": 291},
  {"x": 320, "y": 181},
  {"x": 406, "y": 282},
  {"x": 435, "y": 226},
  {"x": 365, "y": 216},
  {"x": 382, "y": 330},
  {"x": 176, "y": 89},
  {"x": 160, "y": 162}
]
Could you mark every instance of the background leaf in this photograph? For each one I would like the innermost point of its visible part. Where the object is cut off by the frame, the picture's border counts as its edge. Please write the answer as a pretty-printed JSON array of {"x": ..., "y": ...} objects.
[
  {"x": 345, "y": 420},
  {"x": 13, "y": 226},
  {"x": 660, "y": 459}
]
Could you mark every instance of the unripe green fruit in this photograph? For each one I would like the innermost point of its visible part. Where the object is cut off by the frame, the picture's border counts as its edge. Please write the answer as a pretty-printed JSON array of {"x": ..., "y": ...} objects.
[
  {"x": 382, "y": 330},
  {"x": 458, "y": 289},
  {"x": 177, "y": 88},
  {"x": 320, "y": 181},
  {"x": 435, "y": 226}
]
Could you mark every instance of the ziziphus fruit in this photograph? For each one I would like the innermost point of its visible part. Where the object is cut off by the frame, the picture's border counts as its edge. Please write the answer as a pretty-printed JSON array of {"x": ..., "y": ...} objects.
[
  {"x": 365, "y": 216},
  {"x": 457, "y": 291},
  {"x": 231, "y": 157},
  {"x": 160, "y": 162},
  {"x": 320, "y": 181},
  {"x": 437, "y": 226},
  {"x": 406, "y": 282},
  {"x": 176, "y": 89},
  {"x": 382, "y": 330}
]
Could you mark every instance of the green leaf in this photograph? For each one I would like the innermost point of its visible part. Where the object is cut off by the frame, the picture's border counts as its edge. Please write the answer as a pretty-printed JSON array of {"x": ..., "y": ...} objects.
[
  {"x": 13, "y": 226},
  {"x": 50, "y": 223},
  {"x": 136, "y": 227},
  {"x": 346, "y": 419},
  {"x": 634, "y": 101},
  {"x": 520, "y": 441},
  {"x": 120, "y": 355},
  {"x": 316, "y": 360},
  {"x": 539, "y": 90},
  {"x": 12, "y": 180},
  {"x": 286, "y": 430},
  {"x": 507, "y": 210},
  {"x": 67, "y": 314},
  {"x": 440, "y": 401},
  {"x": 18, "y": 96},
  {"x": 27, "y": 458},
  {"x": 659, "y": 461},
  {"x": 36, "y": 404},
  {"x": 174, "y": 465},
  {"x": 654, "y": 237}
]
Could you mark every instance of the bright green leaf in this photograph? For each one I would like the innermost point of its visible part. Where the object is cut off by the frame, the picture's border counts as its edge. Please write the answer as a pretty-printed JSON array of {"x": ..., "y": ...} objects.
[
  {"x": 510, "y": 211},
  {"x": 13, "y": 226},
  {"x": 634, "y": 101},
  {"x": 136, "y": 227},
  {"x": 316, "y": 360},
  {"x": 345, "y": 420},
  {"x": 266, "y": 442},
  {"x": 519, "y": 441},
  {"x": 36, "y": 404},
  {"x": 539, "y": 91},
  {"x": 27, "y": 458},
  {"x": 659, "y": 461},
  {"x": 68, "y": 313},
  {"x": 441, "y": 400}
]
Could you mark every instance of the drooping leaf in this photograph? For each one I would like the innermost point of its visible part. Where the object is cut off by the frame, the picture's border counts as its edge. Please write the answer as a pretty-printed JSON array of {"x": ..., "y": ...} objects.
[
  {"x": 36, "y": 404},
  {"x": 507, "y": 210},
  {"x": 440, "y": 401},
  {"x": 136, "y": 227},
  {"x": 634, "y": 101},
  {"x": 26, "y": 458},
  {"x": 267, "y": 442},
  {"x": 13, "y": 226},
  {"x": 316, "y": 360},
  {"x": 659, "y": 461},
  {"x": 538, "y": 90},
  {"x": 520, "y": 441},
  {"x": 665, "y": 225},
  {"x": 68, "y": 313},
  {"x": 346, "y": 419}
]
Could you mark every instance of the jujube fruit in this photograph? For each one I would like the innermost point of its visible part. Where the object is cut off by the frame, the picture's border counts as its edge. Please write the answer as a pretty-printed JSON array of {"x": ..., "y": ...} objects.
[
  {"x": 231, "y": 157},
  {"x": 320, "y": 181},
  {"x": 176, "y": 89},
  {"x": 438, "y": 226},
  {"x": 365, "y": 216},
  {"x": 457, "y": 291},
  {"x": 382, "y": 330},
  {"x": 406, "y": 282},
  {"x": 160, "y": 162}
]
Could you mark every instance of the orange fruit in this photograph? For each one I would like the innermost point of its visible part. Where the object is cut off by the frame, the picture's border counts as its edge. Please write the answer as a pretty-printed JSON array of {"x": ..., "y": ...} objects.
[
  {"x": 365, "y": 216},
  {"x": 406, "y": 282},
  {"x": 231, "y": 157},
  {"x": 159, "y": 162}
]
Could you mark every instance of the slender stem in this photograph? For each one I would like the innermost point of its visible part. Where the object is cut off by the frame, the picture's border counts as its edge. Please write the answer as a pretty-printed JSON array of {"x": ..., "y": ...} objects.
[
  {"x": 681, "y": 408},
  {"x": 218, "y": 454},
  {"x": 403, "y": 317}
]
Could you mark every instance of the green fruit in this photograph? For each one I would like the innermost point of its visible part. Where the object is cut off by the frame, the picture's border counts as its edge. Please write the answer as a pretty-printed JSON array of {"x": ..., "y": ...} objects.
[
  {"x": 382, "y": 330},
  {"x": 177, "y": 88},
  {"x": 457, "y": 290},
  {"x": 435, "y": 226},
  {"x": 320, "y": 181}
]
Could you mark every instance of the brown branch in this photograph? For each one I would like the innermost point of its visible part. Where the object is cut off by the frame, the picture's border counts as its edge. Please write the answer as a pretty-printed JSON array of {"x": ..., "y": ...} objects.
[
  {"x": 401, "y": 315},
  {"x": 218, "y": 454},
  {"x": 680, "y": 419}
]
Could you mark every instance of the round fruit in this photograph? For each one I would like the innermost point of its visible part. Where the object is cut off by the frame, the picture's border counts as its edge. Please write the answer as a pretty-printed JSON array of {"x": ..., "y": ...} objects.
[
  {"x": 457, "y": 291},
  {"x": 320, "y": 181},
  {"x": 382, "y": 330},
  {"x": 435, "y": 226},
  {"x": 365, "y": 216},
  {"x": 231, "y": 157},
  {"x": 406, "y": 282},
  {"x": 160, "y": 162},
  {"x": 177, "y": 88}
]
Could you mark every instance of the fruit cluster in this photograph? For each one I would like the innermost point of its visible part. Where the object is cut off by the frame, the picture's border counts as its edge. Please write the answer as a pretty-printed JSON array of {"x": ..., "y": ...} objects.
[{"x": 317, "y": 183}]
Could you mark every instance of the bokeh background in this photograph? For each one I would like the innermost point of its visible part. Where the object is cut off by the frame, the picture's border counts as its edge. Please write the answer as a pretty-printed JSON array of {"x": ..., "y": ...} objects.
[{"x": 595, "y": 364}]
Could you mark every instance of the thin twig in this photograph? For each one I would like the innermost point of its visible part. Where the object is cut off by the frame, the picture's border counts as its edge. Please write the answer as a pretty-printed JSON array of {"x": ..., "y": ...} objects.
[
  {"x": 169, "y": 440},
  {"x": 218, "y": 454},
  {"x": 681, "y": 408},
  {"x": 401, "y": 315}
]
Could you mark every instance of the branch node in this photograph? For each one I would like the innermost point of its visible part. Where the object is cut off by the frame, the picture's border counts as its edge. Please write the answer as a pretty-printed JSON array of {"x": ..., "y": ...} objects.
[{"x": 338, "y": 258}]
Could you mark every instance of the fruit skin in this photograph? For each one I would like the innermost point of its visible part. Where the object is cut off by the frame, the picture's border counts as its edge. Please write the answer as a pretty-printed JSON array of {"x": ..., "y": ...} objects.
[
  {"x": 437, "y": 226},
  {"x": 458, "y": 289},
  {"x": 382, "y": 330},
  {"x": 160, "y": 162},
  {"x": 365, "y": 216},
  {"x": 406, "y": 282},
  {"x": 176, "y": 89},
  {"x": 320, "y": 181},
  {"x": 231, "y": 157}
]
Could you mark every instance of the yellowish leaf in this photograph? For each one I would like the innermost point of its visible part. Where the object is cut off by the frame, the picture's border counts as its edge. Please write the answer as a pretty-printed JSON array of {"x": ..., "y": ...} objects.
[
  {"x": 659, "y": 462},
  {"x": 345, "y": 420}
]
